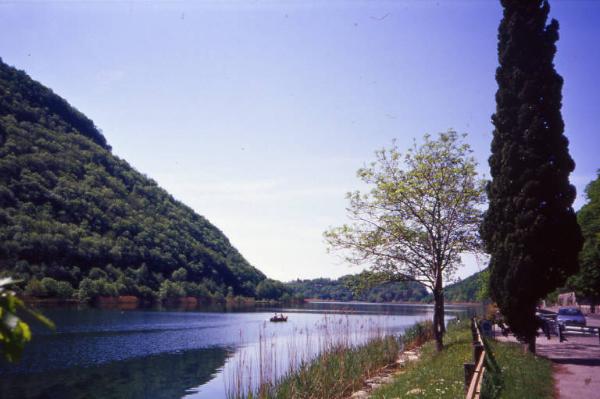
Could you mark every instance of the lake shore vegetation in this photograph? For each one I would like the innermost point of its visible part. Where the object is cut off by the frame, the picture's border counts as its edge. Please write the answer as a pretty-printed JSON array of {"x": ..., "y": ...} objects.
[
  {"x": 440, "y": 375},
  {"x": 347, "y": 355}
]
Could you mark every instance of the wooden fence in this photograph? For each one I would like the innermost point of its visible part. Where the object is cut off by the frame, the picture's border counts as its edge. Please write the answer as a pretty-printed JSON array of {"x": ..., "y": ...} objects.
[{"x": 474, "y": 371}]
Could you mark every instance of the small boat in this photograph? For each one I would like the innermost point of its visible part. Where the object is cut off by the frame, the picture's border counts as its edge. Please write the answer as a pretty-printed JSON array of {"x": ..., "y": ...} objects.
[{"x": 276, "y": 318}]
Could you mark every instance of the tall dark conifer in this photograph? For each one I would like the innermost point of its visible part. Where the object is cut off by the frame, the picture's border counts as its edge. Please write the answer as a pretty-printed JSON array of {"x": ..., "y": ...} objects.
[{"x": 530, "y": 228}]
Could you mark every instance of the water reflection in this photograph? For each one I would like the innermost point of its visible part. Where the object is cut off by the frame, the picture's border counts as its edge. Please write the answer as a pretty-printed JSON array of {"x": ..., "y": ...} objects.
[
  {"x": 157, "y": 376},
  {"x": 97, "y": 353}
]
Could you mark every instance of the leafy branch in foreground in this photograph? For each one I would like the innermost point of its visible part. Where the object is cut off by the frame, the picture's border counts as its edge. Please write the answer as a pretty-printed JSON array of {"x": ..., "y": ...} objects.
[
  {"x": 14, "y": 332},
  {"x": 422, "y": 213}
]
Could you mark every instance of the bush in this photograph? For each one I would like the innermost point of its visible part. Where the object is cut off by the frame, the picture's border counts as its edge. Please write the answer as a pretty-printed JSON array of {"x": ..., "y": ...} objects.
[
  {"x": 90, "y": 289},
  {"x": 49, "y": 287},
  {"x": 34, "y": 288},
  {"x": 217, "y": 297},
  {"x": 196, "y": 290},
  {"x": 179, "y": 274},
  {"x": 64, "y": 290},
  {"x": 96, "y": 274},
  {"x": 146, "y": 294},
  {"x": 170, "y": 290}
]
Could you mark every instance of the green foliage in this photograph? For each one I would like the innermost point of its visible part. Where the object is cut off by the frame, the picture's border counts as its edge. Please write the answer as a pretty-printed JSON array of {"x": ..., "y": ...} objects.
[
  {"x": 179, "y": 274},
  {"x": 470, "y": 289},
  {"x": 91, "y": 289},
  {"x": 14, "y": 332},
  {"x": 343, "y": 289},
  {"x": 483, "y": 289},
  {"x": 171, "y": 290},
  {"x": 421, "y": 214},
  {"x": 71, "y": 210},
  {"x": 586, "y": 283},
  {"x": 49, "y": 288},
  {"x": 271, "y": 289},
  {"x": 530, "y": 229}
]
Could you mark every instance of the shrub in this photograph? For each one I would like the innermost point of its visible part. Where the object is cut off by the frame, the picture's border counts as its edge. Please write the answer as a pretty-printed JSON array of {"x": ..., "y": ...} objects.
[
  {"x": 96, "y": 273},
  {"x": 146, "y": 294},
  {"x": 196, "y": 290},
  {"x": 35, "y": 288},
  {"x": 170, "y": 290},
  {"x": 179, "y": 274},
  {"x": 90, "y": 289},
  {"x": 64, "y": 290}
]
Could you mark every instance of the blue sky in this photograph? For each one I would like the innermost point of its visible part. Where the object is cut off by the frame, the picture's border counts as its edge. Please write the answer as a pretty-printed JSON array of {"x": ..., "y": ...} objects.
[{"x": 257, "y": 114}]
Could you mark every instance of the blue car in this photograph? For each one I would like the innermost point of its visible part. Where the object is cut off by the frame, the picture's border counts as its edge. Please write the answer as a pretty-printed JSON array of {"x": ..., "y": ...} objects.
[{"x": 570, "y": 317}]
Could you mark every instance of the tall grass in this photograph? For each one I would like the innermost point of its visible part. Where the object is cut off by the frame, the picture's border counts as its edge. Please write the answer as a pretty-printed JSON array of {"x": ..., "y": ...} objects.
[
  {"x": 417, "y": 334},
  {"x": 330, "y": 362}
]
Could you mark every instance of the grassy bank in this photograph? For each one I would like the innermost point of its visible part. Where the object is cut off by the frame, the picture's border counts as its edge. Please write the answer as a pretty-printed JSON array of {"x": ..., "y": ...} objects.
[{"x": 441, "y": 375}]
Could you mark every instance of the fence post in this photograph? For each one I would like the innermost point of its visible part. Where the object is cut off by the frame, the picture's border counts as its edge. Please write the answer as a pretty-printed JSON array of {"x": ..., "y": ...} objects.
[
  {"x": 469, "y": 371},
  {"x": 474, "y": 331},
  {"x": 477, "y": 351},
  {"x": 561, "y": 337}
]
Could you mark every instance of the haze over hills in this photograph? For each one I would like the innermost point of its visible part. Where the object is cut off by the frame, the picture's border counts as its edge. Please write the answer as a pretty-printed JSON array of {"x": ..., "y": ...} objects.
[{"x": 73, "y": 212}]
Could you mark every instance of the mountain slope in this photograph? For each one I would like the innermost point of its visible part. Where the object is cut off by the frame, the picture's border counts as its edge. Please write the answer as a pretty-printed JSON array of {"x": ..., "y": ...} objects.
[{"x": 73, "y": 212}]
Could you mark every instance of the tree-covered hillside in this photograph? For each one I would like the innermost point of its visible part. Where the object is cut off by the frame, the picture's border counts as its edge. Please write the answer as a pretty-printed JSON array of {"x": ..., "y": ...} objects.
[
  {"x": 339, "y": 290},
  {"x": 466, "y": 290},
  {"x": 77, "y": 220}
]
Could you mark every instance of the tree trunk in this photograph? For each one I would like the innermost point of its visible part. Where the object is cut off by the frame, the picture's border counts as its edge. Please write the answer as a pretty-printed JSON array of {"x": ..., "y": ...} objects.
[
  {"x": 442, "y": 312},
  {"x": 438, "y": 314},
  {"x": 531, "y": 344}
]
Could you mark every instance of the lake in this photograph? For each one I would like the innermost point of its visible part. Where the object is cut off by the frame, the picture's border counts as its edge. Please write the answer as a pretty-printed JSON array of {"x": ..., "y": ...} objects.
[{"x": 101, "y": 353}]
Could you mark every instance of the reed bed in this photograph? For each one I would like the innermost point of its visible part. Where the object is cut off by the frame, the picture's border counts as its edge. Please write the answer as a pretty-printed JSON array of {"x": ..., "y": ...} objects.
[{"x": 329, "y": 361}]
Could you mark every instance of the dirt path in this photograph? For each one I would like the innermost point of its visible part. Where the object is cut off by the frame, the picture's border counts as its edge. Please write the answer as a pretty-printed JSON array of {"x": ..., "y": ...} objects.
[
  {"x": 577, "y": 363},
  {"x": 386, "y": 375}
]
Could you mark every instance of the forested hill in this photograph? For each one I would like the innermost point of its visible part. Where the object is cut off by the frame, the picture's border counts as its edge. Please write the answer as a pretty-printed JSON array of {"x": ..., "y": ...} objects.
[
  {"x": 466, "y": 290},
  {"x": 338, "y": 290},
  {"x": 76, "y": 220}
]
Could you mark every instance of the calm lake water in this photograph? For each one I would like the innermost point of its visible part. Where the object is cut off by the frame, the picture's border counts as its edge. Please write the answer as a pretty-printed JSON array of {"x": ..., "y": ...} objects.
[{"x": 98, "y": 353}]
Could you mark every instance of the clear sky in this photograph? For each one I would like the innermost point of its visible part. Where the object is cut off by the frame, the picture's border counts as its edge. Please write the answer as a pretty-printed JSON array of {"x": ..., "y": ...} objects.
[{"x": 257, "y": 114}]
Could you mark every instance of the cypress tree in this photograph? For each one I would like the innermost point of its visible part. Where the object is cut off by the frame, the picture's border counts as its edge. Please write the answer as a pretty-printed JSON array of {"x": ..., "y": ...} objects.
[{"x": 530, "y": 228}]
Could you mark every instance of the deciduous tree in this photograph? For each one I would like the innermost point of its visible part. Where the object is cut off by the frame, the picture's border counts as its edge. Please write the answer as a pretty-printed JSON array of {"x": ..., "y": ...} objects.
[
  {"x": 420, "y": 215},
  {"x": 586, "y": 283}
]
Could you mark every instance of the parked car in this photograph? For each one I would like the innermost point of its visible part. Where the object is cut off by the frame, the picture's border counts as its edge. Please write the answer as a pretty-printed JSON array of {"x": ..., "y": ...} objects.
[{"x": 570, "y": 317}]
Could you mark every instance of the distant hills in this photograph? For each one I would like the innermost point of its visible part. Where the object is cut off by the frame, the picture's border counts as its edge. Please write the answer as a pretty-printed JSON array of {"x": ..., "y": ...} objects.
[
  {"x": 77, "y": 221},
  {"x": 338, "y": 290},
  {"x": 461, "y": 291}
]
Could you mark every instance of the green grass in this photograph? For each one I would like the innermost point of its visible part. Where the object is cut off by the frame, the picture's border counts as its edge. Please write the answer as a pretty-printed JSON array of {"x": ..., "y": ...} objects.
[
  {"x": 441, "y": 375},
  {"x": 525, "y": 375}
]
